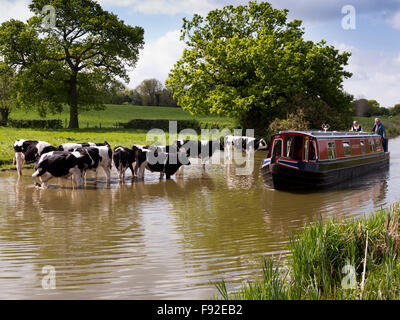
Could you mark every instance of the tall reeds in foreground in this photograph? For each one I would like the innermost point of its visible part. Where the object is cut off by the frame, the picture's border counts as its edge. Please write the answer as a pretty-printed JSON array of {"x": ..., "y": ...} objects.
[{"x": 355, "y": 258}]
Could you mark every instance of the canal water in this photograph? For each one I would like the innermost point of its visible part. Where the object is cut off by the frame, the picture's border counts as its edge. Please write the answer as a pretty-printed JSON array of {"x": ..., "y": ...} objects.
[{"x": 160, "y": 239}]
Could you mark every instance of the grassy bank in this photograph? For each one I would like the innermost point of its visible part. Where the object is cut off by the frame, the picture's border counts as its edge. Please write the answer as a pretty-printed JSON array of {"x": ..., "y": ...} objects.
[
  {"x": 327, "y": 261},
  {"x": 56, "y": 137},
  {"x": 120, "y": 113},
  {"x": 115, "y": 137},
  {"x": 96, "y": 126}
]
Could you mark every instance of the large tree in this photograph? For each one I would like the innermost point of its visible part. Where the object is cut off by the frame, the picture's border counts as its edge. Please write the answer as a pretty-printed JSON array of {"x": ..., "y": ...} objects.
[
  {"x": 7, "y": 94},
  {"x": 150, "y": 90},
  {"x": 76, "y": 61},
  {"x": 249, "y": 62}
]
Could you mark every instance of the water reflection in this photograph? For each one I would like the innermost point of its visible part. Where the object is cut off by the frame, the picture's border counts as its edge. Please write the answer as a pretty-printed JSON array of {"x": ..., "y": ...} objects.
[{"x": 160, "y": 239}]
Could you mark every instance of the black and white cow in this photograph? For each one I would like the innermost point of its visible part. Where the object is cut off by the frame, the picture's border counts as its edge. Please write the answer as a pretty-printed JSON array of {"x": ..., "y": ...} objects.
[
  {"x": 243, "y": 143},
  {"x": 71, "y": 146},
  {"x": 100, "y": 156},
  {"x": 29, "y": 151},
  {"x": 203, "y": 149},
  {"x": 124, "y": 158},
  {"x": 155, "y": 159},
  {"x": 60, "y": 164}
]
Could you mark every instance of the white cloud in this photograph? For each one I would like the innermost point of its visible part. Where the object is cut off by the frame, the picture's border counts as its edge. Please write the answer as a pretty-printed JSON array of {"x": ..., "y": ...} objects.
[
  {"x": 171, "y": 7},
  {"x": 14, "y": 10},
  {"x": 311, "y": 10},
  {"x": 396, "y": 60},
  {"x": 376, "y": 75},
  {"x": 157, "y": 58},
  {"x": 394, "y": 20}
]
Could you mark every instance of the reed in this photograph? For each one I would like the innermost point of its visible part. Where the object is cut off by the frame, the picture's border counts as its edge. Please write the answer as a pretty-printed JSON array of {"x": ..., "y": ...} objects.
[{"x": 327, "y": 261}]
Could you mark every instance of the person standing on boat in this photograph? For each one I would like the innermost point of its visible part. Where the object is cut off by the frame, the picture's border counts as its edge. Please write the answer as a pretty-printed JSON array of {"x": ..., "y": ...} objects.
[
  {"x": 356, "y": 127},
  {"x": 380, "y": 130}
]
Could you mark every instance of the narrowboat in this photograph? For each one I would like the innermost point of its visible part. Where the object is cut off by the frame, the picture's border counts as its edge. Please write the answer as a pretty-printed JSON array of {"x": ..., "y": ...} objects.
[{"x": 319, "y": 159}]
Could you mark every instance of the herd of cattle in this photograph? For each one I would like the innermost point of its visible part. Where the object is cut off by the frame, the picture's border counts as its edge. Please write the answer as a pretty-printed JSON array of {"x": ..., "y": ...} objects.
[{"x": 75, "y": 159}]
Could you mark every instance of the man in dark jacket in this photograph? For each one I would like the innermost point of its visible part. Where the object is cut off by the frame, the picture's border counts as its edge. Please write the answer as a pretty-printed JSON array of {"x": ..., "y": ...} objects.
[{"x": 380, "y": 130}]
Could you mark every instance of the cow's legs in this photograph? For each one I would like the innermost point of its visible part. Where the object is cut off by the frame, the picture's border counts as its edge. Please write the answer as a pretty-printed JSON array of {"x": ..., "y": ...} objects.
[
  {"x": 34, "y": 178},
  {"x": 141, "y": 170},
  {"x": 136, "y": 168},
  {"x": 77, "y": 177},
  {"x": 19, "y": 161},
  {"x": 44, "y": 179},
  {"x": 107, "y": 172},
  {"x": 121, "y": 174},
  {"x": 180, "y": 171},
  {"x": 131, "y": 167}
]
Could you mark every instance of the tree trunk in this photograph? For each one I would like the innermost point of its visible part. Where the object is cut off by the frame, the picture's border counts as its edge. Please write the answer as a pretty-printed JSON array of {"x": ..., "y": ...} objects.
[
  {"x": 73, "y": 103},
  {"x": 5, "y": 112}
]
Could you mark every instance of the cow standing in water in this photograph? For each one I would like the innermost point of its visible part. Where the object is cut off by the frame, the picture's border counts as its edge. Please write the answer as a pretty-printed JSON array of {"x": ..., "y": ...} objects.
[
  {"x": 124, "y": 158},
  {"x": 100, "y": 153},
  {"x": 243, "y": 143},
  {"x": 61, "y": 164},
  {"x": 100, "y": 157},
  {"x": 202, "y": 149},
  {"x": 155, "y": 159},
  {"x": 29, "y": 151}
]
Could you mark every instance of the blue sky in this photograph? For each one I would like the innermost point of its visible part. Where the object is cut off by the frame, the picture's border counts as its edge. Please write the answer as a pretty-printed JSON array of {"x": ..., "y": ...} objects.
[{"x": 374, "y": 42}]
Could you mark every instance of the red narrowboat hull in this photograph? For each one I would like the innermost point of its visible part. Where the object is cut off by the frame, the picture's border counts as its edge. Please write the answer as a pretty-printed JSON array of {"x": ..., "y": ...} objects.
[
  {"x": 290, "y": 167},
  {"x": 282, "y": 177}
]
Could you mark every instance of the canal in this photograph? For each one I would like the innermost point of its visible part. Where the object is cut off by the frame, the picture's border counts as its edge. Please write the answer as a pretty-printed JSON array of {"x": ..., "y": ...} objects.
[{"x": 161, "y": 239}]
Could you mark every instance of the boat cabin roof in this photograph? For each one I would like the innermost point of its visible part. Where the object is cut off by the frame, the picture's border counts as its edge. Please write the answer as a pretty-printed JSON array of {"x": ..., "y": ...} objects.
[{"x": 331, "y": 134}]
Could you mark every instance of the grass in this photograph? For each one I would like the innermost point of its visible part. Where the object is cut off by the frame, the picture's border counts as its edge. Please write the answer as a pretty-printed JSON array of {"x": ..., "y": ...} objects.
[
  {"x": 119, "y": 113},
  {"x": 96, "y": 126},
  {"x": 114, "y": 137},
  {"x": 327, "y": 261}
]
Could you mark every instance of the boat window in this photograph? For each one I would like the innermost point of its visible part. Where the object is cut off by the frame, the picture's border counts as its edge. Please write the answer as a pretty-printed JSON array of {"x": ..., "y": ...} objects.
[
  {"x": 312, "y": 152},
  {"x": 346, "y": 148},
  {"x": 277, "y": 150},
  {"x": 306, "y": 148},
  {"x": 371, "y": 146},
  {"x": 378, "y": 145},
  {"x": 294, "y": 147},
  {"x": 362, "y": 143},
  {"x": 331, "y": 150},
  {"x": 289, "y": 146}
]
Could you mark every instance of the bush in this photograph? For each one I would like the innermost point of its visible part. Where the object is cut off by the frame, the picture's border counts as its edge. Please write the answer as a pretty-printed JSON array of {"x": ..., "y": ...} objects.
[
  {"x": 294, "y": 121},
  {"x": 35, "y": 124},
  {"x": 395, "y": 110}
]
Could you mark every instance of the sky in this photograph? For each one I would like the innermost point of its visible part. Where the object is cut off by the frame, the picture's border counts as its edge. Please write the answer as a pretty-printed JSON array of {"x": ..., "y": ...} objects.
[{"x": 369, "y": 29}]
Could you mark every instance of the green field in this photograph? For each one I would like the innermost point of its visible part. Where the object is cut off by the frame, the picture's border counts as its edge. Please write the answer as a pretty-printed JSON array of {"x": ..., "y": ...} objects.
[
  {"x": 95, "y": 126},
  {"x": 119, "y": 113}
]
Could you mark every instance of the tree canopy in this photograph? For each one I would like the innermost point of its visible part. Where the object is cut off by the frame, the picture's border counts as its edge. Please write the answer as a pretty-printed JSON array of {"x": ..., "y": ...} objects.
[
  {"x": 75, "y": 62},
  {"x": 250, "y": 63}
]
